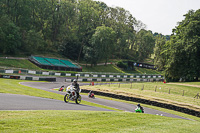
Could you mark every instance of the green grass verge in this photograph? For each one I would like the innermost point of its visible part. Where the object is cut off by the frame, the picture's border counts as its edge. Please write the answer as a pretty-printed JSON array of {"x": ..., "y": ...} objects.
[
  {"x": 144, "y": 71},
  {"x": 101, "y": 68},
  {"x": 26, "y": 64},
  {"x": 22, "y": 63},
  {"x": 92, "y": 121},
  {"x": 13, "y": 87}
]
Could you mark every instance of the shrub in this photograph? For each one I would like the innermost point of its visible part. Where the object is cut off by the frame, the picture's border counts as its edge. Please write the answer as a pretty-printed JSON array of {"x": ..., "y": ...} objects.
[{"x": 122, "y": 65}]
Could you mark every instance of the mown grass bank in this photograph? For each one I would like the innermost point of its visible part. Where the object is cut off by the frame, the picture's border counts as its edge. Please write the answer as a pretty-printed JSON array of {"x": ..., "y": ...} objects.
[
  {"x": 157, "y": 91},
  {"x": 18, "y": 63},
  {"x": 101, "y": 68},
  {"x": 110, "y": 68},
  {"x": 92, "y": 121}
]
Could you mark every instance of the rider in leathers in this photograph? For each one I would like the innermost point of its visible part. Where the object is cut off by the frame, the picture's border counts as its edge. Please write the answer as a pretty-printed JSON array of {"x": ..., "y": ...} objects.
[
  {"x": 140, "y": 107},
  {"x": 76, "y": 86}
]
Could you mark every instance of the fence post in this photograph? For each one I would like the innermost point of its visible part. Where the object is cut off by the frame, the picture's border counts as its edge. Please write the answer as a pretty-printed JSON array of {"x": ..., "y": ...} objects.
[
  {"x": 169, "y": 91},
  {"x": 142, "y": 88},
  {"x": 183, "y": 93},
  {"x": 155, "y": 88},
  {"x": 119, "y": 85},
  {"x": 131, "y": 86},
  {"x": 197, "y": 96}
]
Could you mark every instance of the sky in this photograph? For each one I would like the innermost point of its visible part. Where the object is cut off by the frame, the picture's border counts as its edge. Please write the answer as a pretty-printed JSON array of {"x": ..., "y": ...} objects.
[{"x": 159, "y": 15}]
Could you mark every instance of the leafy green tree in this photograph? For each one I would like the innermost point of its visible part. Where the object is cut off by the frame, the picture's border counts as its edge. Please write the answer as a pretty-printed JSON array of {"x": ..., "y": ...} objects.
[
  {"x": 123, "y": 24},
  {"x": 102, "y": 43},
  {"x": 33, "y": 43},
  {"x": 67, "y": 27},
  {"x": 145, "y": 44},
  {"x": 182, "y": 52},
  {"x": 159, "y": 52},
  {"x": 9, "y": 36},
  {"x": 88, "y": 20}
]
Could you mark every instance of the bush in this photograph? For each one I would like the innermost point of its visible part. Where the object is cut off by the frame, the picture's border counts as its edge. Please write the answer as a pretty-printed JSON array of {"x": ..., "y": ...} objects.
[{"x": 122, "y": 65}]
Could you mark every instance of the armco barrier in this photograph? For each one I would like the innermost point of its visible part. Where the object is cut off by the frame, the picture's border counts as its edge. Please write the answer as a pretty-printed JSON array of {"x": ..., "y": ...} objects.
[
  {"x": 96, "y": 75},
  {"x": 9, "y": 77},
  {"x": 114, "y": 80},
  {"x": 28, "y": 78},
  {"x": 149, "y": 102}
]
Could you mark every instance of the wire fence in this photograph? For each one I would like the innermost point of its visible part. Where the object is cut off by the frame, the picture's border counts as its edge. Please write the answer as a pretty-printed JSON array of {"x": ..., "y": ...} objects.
[{"x": 152, "y": 88}]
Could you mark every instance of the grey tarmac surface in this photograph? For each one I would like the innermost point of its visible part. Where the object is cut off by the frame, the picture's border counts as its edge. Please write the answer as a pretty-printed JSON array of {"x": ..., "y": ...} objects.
[
  {"x": 48, "y": 86},
  {"x": 23, "y": 102}
]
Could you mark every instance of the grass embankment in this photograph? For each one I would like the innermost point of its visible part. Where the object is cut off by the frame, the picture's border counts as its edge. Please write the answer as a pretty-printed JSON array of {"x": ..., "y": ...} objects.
[
  {"x": 91, "y": 121},
  {"x": 101, "y": 68},
  {"x": 26, "y": 64},
  {"x": 110, "y": 68},
  {"x": 162, "y": 92},
  {"x": 139, "y": 70},
  {"x": 115, "y": 69},
  {"x": 18, "y": 63},
  {"x": 13, "y": 87}
]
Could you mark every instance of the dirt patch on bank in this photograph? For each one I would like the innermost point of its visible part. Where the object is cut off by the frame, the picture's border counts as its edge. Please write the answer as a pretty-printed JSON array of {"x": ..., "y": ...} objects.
[{"x": 185, "y": 84}]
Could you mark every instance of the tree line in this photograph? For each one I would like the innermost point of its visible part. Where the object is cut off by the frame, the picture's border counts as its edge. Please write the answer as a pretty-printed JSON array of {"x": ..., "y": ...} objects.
[
  {"x": 80, "y": 30},
  {"x": 179, "y": 57},
  {"x": 92, "y": 31}
]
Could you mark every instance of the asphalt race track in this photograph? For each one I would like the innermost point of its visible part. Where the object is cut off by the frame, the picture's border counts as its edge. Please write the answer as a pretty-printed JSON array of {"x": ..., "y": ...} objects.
[{"x": 22, "y": 102}]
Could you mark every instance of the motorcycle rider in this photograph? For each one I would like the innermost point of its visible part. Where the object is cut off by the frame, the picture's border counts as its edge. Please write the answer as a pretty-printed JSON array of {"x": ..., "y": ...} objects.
[
  {"x": 91, "y": 94},
  {"x": 140, "y": 107},
  {"x": 76, "y": 86}
]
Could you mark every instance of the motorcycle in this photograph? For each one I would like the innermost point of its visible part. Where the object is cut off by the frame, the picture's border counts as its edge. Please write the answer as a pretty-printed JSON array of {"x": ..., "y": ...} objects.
[
  {"x": 91, "y": 95},
  {"x": 61, "y": 88},
  {"x": 71, "y": 95},
  {"x": 139, "y": 110}
]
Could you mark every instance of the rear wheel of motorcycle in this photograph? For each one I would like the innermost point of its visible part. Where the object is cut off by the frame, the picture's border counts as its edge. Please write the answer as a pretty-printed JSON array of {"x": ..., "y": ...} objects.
[
  {"x": 66, "y": 98},
  {"x": 78, "y": 100}
]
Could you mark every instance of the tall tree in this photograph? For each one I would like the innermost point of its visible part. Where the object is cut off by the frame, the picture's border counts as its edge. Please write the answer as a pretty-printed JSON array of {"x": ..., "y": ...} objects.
[
  {"x": 159, "y": 52},
  {"x": 9, "y": 36},
  {"x": 145, "y": 43},
  {"x": 183, "y": 49},
  {"x": 88, "y": 17},
  {"x": 102, "y": 43}
]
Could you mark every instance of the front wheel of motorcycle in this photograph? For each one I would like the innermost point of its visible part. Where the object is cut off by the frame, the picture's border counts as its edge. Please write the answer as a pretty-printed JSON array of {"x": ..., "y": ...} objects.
[
  {"x": 66, "y": 98},
  {"x": 78, "y": 100}
]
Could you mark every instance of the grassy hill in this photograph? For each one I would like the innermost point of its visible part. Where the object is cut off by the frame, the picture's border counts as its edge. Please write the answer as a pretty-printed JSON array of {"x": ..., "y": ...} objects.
[
  {"x": 18, "y": 63},
  {"x": 110, "y": 68}
]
